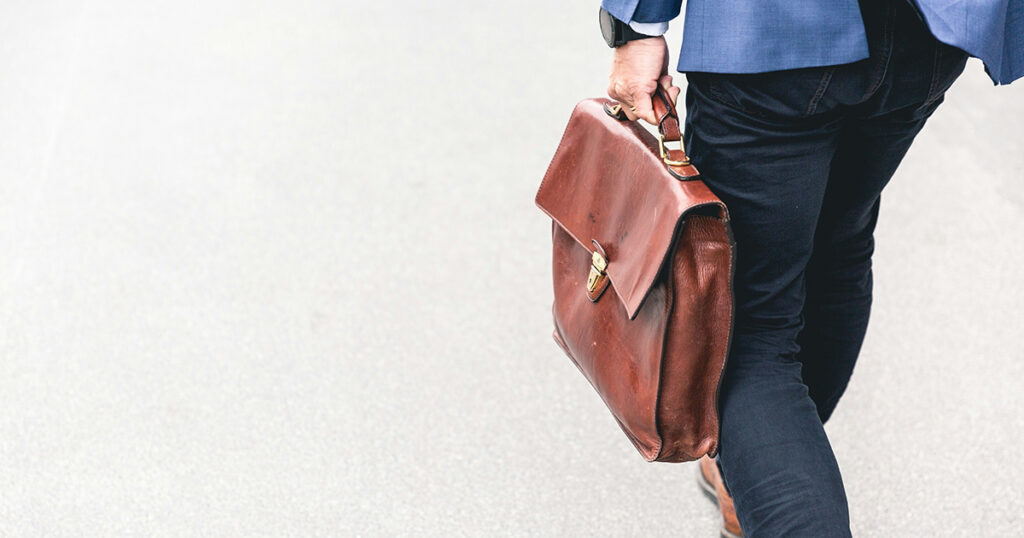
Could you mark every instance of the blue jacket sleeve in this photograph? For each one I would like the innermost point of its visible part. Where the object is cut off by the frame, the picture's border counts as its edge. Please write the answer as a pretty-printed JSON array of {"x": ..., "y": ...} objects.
[{"x": 643, "y": 10}]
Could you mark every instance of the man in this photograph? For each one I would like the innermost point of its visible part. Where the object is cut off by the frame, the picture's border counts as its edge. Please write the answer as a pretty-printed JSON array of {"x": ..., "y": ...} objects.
[{"x": 797, "y": 114}]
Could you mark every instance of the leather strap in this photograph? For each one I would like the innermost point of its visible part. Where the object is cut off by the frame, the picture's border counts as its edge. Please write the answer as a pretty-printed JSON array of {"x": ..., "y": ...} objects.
[
  {"x": 676, "y": 160},
  {"x": 665, "y": 113}
]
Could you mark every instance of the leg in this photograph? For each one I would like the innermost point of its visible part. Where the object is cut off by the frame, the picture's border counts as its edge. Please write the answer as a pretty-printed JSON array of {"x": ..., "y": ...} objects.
[
  {"x": 766, "y": 145},
  {"x": 770, "y": 165},
  {"x": 839, "y": 277}
]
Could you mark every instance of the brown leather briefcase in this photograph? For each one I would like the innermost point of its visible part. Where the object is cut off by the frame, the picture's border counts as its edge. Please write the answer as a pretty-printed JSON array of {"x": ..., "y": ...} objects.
[{"x": 643, "y": 268}]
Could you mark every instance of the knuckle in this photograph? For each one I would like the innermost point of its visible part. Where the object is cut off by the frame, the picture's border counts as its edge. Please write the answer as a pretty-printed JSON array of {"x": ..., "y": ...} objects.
[{"x": 613, "y": 89}]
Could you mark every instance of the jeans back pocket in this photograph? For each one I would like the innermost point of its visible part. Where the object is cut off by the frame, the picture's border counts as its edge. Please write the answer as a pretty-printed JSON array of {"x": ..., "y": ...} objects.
[
  {"x": 789, "y": 93},
  {"x": 949, "y": 62}
]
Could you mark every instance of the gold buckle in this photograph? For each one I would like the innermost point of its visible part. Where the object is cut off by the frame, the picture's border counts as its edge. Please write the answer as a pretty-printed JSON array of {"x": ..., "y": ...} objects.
[
  {"x": 664, "y": 153},
  {"x": 598, "y": 264},
  {"x": 615, "y": 109}
]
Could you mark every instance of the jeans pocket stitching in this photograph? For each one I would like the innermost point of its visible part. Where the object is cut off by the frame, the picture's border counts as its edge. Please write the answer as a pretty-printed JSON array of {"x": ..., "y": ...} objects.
[
  {"x": 936, "y": 67},
  {"x": 949, "y": 65},
  {"x": 826, "y": 79},
  {"x": 725, "y": 99},
  {"x": 716, "y": 92}
]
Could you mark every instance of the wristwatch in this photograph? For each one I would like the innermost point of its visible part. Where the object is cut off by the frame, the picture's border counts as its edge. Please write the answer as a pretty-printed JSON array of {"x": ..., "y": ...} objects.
[{"x": 617, "y": 33}]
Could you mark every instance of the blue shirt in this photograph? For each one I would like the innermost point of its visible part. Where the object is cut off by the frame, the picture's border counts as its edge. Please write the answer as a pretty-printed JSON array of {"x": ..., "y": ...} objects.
[{"x": 753, "y": 36}]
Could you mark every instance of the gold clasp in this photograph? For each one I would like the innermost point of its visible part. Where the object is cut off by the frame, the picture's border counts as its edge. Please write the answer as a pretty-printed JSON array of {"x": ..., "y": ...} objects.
[
  {"x": 598, "y": 264},
  {"x": 664, "y": 152}
]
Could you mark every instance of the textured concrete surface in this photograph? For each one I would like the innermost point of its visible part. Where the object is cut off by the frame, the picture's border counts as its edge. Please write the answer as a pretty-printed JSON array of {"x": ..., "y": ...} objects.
[{"x": 274, "y": 269}]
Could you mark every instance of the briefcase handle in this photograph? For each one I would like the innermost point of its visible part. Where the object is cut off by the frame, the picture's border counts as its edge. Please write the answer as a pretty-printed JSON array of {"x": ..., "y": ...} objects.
[{"x": 676, "y": 160}]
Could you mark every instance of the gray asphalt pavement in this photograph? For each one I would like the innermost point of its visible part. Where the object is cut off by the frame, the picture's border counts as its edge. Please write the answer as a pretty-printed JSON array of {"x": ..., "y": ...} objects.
[{"x": 274, "y": 269}]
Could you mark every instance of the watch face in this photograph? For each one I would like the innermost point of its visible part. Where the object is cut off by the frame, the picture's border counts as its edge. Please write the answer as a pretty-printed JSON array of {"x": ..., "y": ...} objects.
[{"x": 607, "y": 27}]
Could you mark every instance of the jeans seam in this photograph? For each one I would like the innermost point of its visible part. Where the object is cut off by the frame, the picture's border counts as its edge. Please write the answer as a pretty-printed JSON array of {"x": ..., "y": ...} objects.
[
  {"x": 936, "y": 64},
  {"x": 822, "y": 86},
  {"x": 885, "y": 51}
]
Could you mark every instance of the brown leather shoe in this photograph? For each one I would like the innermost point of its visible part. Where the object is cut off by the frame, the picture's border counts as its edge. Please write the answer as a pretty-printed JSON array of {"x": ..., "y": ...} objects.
[{"x": 711, "y": 482}]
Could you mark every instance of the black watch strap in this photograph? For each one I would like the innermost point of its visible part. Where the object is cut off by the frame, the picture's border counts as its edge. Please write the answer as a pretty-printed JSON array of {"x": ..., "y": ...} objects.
[
  {"x": 629, "y": 34},
  {"x": 616, "y": 32}
]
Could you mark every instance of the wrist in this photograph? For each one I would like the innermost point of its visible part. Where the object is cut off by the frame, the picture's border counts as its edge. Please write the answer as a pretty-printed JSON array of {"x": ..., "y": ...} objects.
[{"x": 648, "y": 43}]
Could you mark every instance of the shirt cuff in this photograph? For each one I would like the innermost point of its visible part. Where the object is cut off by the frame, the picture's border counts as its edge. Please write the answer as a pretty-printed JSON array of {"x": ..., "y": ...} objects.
[{"x": 649, "y": 28}]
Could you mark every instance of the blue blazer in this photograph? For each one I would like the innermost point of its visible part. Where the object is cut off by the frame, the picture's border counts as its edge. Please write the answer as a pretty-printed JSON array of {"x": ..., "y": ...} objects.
[{"x": 753, "y": 36}]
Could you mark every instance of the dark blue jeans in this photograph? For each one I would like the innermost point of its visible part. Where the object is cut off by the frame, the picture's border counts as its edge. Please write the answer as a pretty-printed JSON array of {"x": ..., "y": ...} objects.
[{"x": 800, "y": 157}]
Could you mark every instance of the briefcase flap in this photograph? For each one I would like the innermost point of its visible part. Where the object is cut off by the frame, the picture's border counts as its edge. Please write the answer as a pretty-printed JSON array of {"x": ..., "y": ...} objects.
[{"x": 607, "y": 182}]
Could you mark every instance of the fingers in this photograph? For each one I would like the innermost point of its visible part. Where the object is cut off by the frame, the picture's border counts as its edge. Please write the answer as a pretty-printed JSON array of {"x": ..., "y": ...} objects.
[
  {"x": 644, "y": 107},
  {"x": 625, "y": 101},
  {"x": 615, "y": 91},
  {"x": 639, "y": 98},
  {"x": 672, "y": 91},
  {"x": 629, "y": 113},
  {"x": 638, "y": 67}
]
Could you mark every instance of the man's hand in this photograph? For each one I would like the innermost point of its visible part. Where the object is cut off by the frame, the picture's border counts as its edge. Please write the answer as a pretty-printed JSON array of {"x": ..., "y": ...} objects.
[{"x": 638, "y": 67}]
